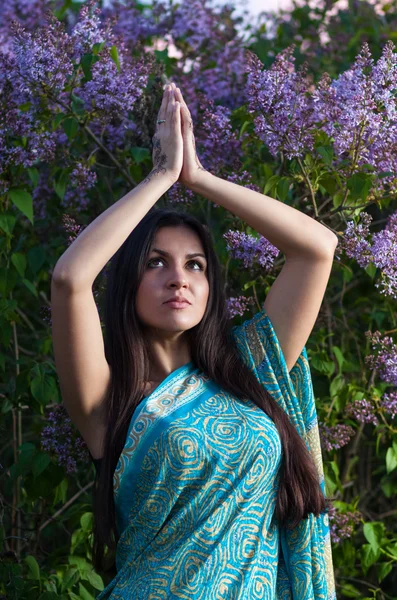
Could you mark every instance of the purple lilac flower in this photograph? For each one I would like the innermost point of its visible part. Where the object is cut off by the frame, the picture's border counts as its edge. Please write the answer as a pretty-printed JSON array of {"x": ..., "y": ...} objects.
[
  {"x": 362, "y": 411},
  {"x": 381, "y": 251},
  {"x": 342, "y": 524},
  {"x": 238, "y": 305},
  {"x": 218, "y": 145},
  {"x": 248, "y": 248},
  {"x": 179, "y": 194},
  {"x": 279, "y": 94},
  {"x": 389, "y": 404},
  {"x": 336, "y": 436},
  {"x": 357, "y": 111},
  {"x": 43, "y": 57},
  {"x": 87, "y": 31},
  {"x": 30, "y": 13},
  {"x": 385, "y": 360},
  {"x": 132, "y": 26},
  {"x": 384, "y": 251},
  {"x": 193, "y": 20},
  {"x": 112, "y": 93},
  {"x": 83, "y": 177},
  {"x": 62, "y": 441},
  {"x": 71, "y": 227},
  {"x": 354, "y": 241}
]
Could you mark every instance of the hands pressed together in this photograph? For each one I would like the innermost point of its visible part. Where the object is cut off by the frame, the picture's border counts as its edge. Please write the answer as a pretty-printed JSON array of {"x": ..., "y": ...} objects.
[{"x": 174, "y": 148}]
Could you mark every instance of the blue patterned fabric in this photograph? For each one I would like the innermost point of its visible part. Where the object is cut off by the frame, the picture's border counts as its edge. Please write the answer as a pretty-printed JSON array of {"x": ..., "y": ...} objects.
[{"x": 195, "y": 488}]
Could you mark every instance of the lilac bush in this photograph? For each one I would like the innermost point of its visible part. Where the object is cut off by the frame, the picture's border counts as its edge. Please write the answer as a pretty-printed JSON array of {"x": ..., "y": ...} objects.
[{"x": 287, "y": 116}]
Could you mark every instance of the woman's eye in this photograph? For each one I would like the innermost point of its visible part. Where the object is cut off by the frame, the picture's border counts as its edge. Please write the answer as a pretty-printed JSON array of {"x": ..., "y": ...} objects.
[{"x": 191, "y": 261}]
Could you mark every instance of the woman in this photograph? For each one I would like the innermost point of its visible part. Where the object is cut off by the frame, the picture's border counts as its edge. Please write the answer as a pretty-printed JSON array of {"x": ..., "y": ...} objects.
[{"x": 205, "y": 438}]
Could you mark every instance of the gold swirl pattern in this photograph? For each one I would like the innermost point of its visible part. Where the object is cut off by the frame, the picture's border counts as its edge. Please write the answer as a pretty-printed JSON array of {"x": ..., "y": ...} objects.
[{"x": 196, "y": 484}]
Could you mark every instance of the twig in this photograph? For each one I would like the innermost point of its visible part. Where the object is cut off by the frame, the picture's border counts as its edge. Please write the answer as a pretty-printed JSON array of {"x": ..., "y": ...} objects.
[{"x": 65, "y": 506}]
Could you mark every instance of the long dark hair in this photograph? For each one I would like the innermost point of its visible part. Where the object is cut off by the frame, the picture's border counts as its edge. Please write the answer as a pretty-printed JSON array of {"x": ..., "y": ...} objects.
[{"x": 213, "y": 351}]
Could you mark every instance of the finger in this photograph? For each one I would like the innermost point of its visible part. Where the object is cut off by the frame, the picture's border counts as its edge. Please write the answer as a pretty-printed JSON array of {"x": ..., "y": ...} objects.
[
  {"x": 179, "y": 96},
  {"x": 164, "y": 103},
  {"x": 171, "y": 104}
]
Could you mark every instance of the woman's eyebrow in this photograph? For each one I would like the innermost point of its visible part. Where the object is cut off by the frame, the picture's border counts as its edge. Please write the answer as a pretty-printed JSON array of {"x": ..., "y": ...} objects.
[{"x": 190, "y": 255}]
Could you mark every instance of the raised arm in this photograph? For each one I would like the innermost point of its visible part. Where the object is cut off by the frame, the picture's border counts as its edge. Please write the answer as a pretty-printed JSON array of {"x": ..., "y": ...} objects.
[{"x": 81, "y": 263}]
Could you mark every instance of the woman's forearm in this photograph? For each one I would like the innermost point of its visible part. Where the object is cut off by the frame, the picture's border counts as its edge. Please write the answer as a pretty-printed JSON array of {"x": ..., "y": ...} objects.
[
  {"x": 82, "y": 262},
  {"x": 291, "y": 231}
]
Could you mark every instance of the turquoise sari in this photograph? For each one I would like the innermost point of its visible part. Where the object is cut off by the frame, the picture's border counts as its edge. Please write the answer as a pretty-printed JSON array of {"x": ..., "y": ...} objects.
[{"x": 195, "y": 488}]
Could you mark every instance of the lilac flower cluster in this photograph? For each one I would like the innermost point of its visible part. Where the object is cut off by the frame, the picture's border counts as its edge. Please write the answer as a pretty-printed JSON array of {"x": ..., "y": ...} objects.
[
  {"x": 385, "y": 359},
  {"x": 238, "y": 305},
  {"x": 279, "y": 94},
  {"x": 250, "y": 249},
  {"x": 362, "y": 411},
  {"x": 384, "y": 251},
  {"x": 43, "y": 57},
  {"x": 357, "y": 111},
  {"x": 179, "y": 194},
  {"x": 219, "y": 146},
  {"x": 62, "y": 440},
  {"x": 381, "y": 251},
  {"x": 194, "y": 21},
  {"x": 389, "y": 404},
  {"x": 31, "y": 11},
  {"x": 83, "y": 177},
  {"x": 335, "y": 436},
  {"x": 37, "y": 77},
  {"x": 342, "y": 524},
  {"x": 354, "y": 241},
  {"x": 71, "y": 227}
]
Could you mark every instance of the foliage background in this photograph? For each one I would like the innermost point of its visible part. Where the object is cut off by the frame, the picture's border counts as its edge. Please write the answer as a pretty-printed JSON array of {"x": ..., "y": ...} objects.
[{"x": 66, "y": 155}]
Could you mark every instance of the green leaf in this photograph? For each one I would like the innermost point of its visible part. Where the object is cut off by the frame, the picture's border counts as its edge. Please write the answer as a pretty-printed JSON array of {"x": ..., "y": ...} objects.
[
  {"x": 272, "y": 182},
  {"x": 339, "y": 356},
  {"x": 383, "y": 570},
  {"x": 60, "y": 183},
  {"x": 327, "y": 154},
  {"x": 43, "y": 386},
  {"x": 70, "y": 127},
  {"x": 140, "y": 154},
  {"x": 370, "y": 269},
  {"x": 391, "y": 459},
  {"x": 97, "y": 47},
  {"x": 348, "y": 590},
  {"x": 84, "y": 594},
  {"x": 40, "y": 463},
  {"x": 115, "y": 57},
  {"x": 368, "y": 556},
  {"x": 283, "y": 188},
  {"x": 24, "y": 201},
  {"x": 337, "y": 199},
  {"x": 86, "y": 521},
  {"x": 30, "y": 287},
  {"x": 18, "y": 259},
  {"x": 7, "y": 223},
  {"x": 58, "y": 119},
  {"x": 36, "y": 258},
  {"x": 8, "y": 279},
  {"x": 78, "y": 105},
  {"x": 329, "y": 183},
  {"x": 87, "y": 60},
  {"x": 34, "y": 176},
  {"x": 359, "y": 185},
  {"x": 374, "y": 532},
  {"x": 95, "y": 580},
  {"x": 34, "y": 569},
  {"x": 71, "y": 577}
]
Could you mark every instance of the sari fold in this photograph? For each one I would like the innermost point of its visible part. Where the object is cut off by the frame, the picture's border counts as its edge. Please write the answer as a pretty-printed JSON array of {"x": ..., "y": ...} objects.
[{"x": 196, "y": 483}]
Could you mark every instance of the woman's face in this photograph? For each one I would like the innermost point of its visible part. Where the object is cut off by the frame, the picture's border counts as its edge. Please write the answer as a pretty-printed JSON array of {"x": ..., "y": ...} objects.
[{"x": 173, "y": 274}]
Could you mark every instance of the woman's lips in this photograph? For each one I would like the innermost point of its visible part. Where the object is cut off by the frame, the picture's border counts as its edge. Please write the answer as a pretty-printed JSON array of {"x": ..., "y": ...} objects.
[{"x": 174, "y": 304}]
